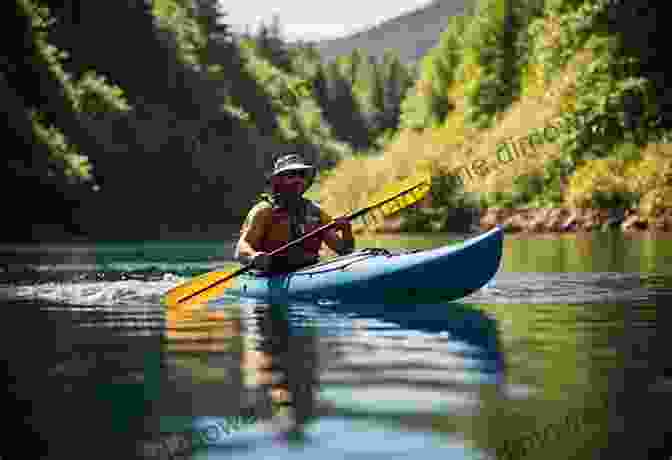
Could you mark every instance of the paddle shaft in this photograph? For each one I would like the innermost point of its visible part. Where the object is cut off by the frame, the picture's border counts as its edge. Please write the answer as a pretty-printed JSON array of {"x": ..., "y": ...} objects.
[{"x": 331, "y": 224}]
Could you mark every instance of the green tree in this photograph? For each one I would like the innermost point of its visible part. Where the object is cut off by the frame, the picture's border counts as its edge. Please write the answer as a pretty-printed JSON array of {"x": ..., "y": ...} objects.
[
  {"x": 377, "y": 94},
  {"x": 271, "y": 46},
  {"x": 355, "y": 65},
  {"x": 396, "y": 83},
  {"x": 227, "y": 71},
  {"x": 497, "y": 41},
  {"x": 428, "y": 104},
  {"x": 370, "y": 90},
  {"x": 321, "y": 87},
  {"x": 342, "y": 110}
]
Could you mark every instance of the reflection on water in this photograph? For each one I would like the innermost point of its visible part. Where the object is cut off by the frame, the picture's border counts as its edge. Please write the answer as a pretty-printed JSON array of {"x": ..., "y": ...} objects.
[
  {"x": 572, "y": 334},
  {"x": 412, "y": 360},
  {"x": 449, "y": 369},
  {"x": 308, "y": 369}
]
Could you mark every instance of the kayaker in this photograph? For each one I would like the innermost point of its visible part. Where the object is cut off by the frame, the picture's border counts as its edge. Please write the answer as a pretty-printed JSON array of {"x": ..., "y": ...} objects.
[{"x": 286, "y": 215}]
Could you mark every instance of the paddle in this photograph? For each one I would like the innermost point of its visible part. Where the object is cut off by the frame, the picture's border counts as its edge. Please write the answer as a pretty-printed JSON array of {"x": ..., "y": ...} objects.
[{"x": 390, "y": 200}]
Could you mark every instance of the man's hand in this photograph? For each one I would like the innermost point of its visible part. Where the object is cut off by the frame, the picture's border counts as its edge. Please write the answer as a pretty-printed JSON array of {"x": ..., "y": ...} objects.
[
  {"x": 346, "y": 243},
  {"x": 343, "y": 224},
  {"x": 261, "y": 261}
]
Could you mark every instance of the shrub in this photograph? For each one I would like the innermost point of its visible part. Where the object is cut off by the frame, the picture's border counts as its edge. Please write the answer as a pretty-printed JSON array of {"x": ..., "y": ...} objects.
[
  {"x": 651, "y": 179},
  {"x": 526, "y": 187},
  {"x": 656, "y": 201},
  {"x": 599, "y": 183}
]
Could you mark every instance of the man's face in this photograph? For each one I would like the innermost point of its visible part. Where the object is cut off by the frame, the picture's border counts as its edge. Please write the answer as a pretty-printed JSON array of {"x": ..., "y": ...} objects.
[{"x": 290, "y": 182}]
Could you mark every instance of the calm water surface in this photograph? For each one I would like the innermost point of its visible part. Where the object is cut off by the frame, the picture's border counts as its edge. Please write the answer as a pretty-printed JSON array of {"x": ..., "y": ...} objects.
[{"x": 565, "y": 354}]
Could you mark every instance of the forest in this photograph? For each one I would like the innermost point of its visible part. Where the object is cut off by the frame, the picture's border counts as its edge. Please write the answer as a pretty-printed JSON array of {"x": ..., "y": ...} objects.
[
  {"x": 143, "y": 118},
  {"x": 169, "y": 122}
]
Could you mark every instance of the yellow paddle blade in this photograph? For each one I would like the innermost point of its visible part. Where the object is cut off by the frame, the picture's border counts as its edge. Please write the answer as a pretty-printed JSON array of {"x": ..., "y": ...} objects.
[
  {"x": 417, "y": 186},
  {"x": 173, "y": 298}
]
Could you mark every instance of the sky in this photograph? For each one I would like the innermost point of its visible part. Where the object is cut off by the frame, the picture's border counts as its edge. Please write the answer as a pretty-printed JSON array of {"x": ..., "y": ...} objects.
[{"x": 315, "y": 20}]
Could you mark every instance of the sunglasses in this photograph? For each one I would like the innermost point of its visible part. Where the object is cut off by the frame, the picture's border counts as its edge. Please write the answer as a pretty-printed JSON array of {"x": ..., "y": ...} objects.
[{"x": 300, "y": 174}]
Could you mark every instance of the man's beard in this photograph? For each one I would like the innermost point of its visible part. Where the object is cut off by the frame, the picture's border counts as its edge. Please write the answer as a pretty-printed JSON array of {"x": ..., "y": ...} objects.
[{"x": 288, "y": 196}]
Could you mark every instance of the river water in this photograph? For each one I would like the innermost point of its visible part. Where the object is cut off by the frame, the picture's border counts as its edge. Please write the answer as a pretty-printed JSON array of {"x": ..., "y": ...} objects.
[{"x": 564, "y": 354}]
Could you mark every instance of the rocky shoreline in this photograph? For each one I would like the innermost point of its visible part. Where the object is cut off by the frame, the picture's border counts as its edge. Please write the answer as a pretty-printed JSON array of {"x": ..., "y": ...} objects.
[
  {"x": 548, "y": 221},
  {"x": 562, "y": 220}
]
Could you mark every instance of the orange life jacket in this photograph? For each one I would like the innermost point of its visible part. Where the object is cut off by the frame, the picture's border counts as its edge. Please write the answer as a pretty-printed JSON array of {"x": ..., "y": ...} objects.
[{"x": 277, "y": 231}]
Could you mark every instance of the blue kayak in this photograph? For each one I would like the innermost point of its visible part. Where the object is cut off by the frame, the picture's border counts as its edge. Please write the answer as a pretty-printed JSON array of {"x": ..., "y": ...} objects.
[{"x": 377, "y": 275}]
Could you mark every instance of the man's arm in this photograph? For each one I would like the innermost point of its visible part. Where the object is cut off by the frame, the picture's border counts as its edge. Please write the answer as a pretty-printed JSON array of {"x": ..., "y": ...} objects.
[{"x": 251, "y": 235}]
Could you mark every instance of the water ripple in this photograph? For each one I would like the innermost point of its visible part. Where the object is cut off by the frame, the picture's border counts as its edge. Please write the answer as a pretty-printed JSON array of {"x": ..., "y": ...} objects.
[
  {"x": 526, "y": 288},
  {"x": 565, "y": 288}
]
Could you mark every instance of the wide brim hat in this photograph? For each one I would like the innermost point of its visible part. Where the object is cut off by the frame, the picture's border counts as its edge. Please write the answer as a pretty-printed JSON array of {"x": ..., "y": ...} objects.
[{"x": 293, "y": 162}]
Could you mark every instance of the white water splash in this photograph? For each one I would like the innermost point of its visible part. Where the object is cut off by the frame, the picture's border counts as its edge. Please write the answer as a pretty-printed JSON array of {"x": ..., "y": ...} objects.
[{"x": 100, "y": 293}]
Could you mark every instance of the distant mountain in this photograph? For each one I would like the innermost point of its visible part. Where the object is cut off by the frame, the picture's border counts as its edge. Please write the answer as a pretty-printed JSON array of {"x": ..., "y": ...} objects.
[{"x": 411, "y": 34}]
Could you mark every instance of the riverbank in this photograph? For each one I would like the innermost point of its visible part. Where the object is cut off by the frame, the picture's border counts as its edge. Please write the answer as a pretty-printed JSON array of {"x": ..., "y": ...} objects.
[
  {"x": 539, "y": 221},
  {"x": 560, "y": 220}
]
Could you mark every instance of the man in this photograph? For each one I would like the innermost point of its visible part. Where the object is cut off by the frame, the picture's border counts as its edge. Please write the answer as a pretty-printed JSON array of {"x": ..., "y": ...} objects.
[{"x": 285, "y": 216}]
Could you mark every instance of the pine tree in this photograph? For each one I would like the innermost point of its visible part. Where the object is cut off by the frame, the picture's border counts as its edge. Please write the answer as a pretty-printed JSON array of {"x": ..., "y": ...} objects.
[
  {"x": 271, "y": 47},
  {"x": 321, "y": 87},
  {"x": 342, "y": 110},
  {"x": 378, "y": 87},
  {"x": 356, "y": 61},
  {"x": 395, "y": 86},
  {"x": 210, "y": 16},
  {"x": 231, "y": 77},
  {"x": 370, "y": 87}
]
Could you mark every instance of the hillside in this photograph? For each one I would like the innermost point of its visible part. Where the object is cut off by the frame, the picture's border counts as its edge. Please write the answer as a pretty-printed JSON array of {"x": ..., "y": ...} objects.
[
  {"x": 533, "y": 105},
  {"x": 411, "y": 34}
]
